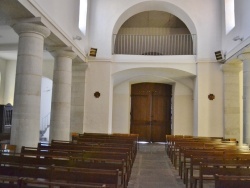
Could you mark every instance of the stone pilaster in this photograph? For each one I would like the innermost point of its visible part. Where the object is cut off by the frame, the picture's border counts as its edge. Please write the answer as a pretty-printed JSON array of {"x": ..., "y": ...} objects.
[
  {"x": 27, "y": 96},
  {"x": 245, "y": 57},
  {"x": 77, "y": 96},
  {"x": 61, "y": 95},
  {"x": 233, "y": 124}
]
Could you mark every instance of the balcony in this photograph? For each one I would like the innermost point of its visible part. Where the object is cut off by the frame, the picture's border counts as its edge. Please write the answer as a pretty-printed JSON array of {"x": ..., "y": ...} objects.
[{"x": 181, "y": 44}]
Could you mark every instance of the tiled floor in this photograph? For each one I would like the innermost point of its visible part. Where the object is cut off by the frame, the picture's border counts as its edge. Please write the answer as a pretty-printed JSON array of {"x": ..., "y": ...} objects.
[{"x": 153, "y": 169}]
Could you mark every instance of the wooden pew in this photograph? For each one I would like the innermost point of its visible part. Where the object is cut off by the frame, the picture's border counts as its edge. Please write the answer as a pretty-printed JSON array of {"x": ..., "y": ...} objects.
[
  {"x": 112, "y": 142},
  {"x": 178, "y": 142},
  {"x": 80, "y": 175},
  {"x": 78, "y": 155},
  {"x": 47, "y": 162},
  {"x": 10, "y": 182},
  {"x": 63, "y": 175},
  {"x": 56, "y": 153},
  {"x": 32, "y": 183},
  {"x": 230, "y": 181},
  {"x": 227, "y": 167},
  {"x": 114, "y": 158},
  {"x": 187, "y": 151},
  {"x": 114, "y": 136},
  {"x": 78, "y": 147},
  {"x": 194, "y": 158}
]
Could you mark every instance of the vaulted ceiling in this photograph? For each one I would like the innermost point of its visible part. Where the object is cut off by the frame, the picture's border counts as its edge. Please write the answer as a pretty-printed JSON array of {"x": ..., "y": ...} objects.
[{"x": 158, "y": 19}]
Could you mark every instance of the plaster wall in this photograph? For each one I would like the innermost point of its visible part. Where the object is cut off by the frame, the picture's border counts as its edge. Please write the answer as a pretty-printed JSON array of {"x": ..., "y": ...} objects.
[
  {"x": 121, "y": 108},
  {"x": 65, "y": 16},
  {"x": 48, "y": 69},
  {"x": 241, "y": 29},
  {"x": 10, "y": 82},
  {"x": 2, "y": 79},
  {"x": 97, "y": 110},
  {"x": 208, "y": 119},
  {"x": 45, "y": 108},
  {"x": 183, "y": 111},
  {"x": 106, "y": 17}
]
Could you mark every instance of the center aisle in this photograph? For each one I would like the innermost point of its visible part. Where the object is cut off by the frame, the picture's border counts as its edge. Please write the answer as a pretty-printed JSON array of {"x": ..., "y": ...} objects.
[{"x": 153, "y": 169}]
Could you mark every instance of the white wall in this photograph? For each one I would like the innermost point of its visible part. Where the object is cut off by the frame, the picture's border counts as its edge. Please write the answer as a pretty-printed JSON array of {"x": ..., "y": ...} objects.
[
  {"x": 121, "y": 108},
  {"x": 97, "y": 110},
  {"x": 48, "y": 69},
  {"x": 241, "y": 29},
  {"x": 8, "y": 75},
  {"x": 104, "y": 16},
  {"x": 46, "y": 94},
  {"x": 65, "y": 16},
  {"x": 10, "y": 82},
  {"x": 2, "y": 80},
  {"x": 183, "y": 111},
  {"x": 208, "y": 117}
]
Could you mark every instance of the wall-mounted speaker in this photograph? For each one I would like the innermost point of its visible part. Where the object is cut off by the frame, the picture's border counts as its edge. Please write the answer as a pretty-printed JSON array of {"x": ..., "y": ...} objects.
[
  {"x": 219, "y": 56},
  {"x": 92, "y": 52}
]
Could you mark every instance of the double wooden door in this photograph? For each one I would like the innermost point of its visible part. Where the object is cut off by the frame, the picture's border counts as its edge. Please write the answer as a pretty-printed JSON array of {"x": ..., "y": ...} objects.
[{"x": 151, "y": 111}]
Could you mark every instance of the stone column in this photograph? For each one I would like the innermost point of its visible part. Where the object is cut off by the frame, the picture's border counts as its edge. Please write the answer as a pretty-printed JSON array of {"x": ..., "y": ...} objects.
[
  {"x": 26, "y": 112},
  {"x": 245, "y": 57},
  {"x": 233, "y": 124},
  {"x": 61, "y": 95}
]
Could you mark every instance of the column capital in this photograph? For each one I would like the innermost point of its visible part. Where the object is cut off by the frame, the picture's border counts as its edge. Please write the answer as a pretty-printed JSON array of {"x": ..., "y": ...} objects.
[
  {"x": 31, "y": 28},
  {"x": 63, "y": 53},
  {"x": 234, "y": 65}
]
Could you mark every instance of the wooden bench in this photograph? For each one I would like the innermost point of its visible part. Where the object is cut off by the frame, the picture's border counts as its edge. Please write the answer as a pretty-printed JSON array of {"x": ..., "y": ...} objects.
[
  {"x": 56, "y": 153},
  {"x": 63, "y": 175},
  {"x": 226, "y": 153},
  {"x": 113, "y": 160},
  {"x": 230, "y": 181},
  {"x": 78, "y": 147},
  {"x": 192, "y": 162},
  {"x": 47, "y": 162},
  {"x": 228, "y": 167},
  {"x": 131, "y": 141},
  {"x": 78, "y": 155},
  {"x": 10, "y": 182},
  {"x": 179, "y": 142}
]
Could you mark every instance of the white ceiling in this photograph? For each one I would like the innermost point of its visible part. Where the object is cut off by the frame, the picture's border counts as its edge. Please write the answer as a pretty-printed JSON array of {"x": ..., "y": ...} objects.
[{"x": 154, "y": 19}]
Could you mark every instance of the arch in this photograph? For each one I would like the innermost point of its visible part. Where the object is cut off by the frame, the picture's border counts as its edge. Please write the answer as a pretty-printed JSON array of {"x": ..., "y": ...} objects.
[
  {"x": 163, "y": 74},
  {"x": 182, "y": 93},
  {"x": 158, "y": 6}
]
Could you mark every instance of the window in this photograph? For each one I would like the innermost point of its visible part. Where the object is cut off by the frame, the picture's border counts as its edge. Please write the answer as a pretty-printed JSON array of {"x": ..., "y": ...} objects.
[
  {"x": 83, "y": 15},
  {"x": 229, "y": 15}
]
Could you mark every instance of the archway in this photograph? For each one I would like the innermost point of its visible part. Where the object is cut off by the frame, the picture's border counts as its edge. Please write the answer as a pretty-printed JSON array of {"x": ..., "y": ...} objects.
[
  {"x": 182, "y": 100},
  {"x": 158, "y": 6}
]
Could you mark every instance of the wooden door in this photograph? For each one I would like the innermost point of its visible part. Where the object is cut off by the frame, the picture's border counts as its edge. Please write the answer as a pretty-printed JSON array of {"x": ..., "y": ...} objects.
[{"x": 151, "y": 111}]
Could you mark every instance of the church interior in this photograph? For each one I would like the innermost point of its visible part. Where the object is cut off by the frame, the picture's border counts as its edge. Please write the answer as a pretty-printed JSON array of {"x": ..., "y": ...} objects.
[{"x": 152, "y": 79}]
